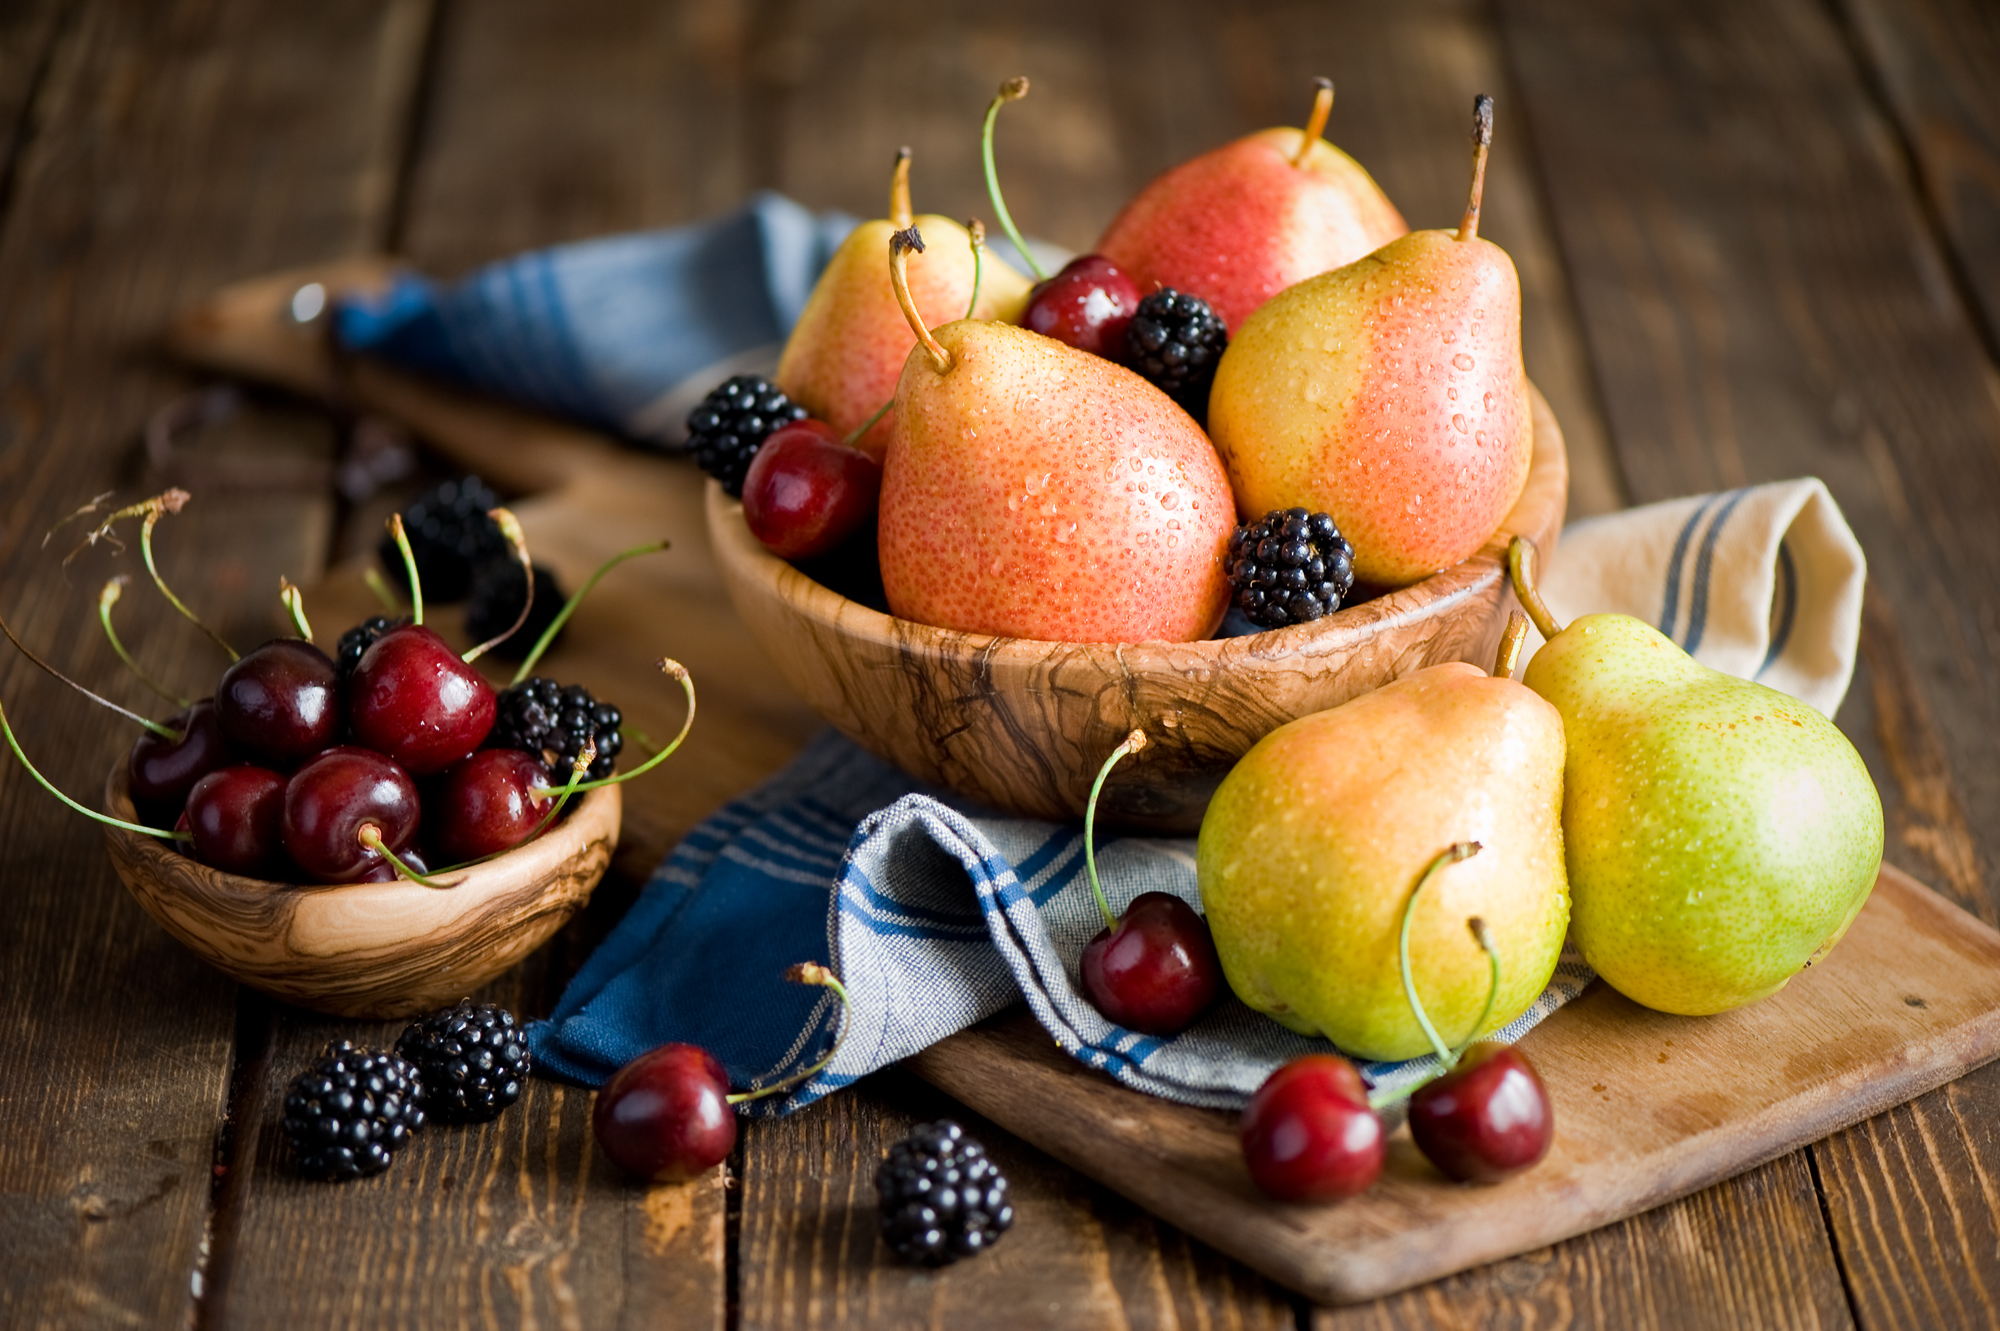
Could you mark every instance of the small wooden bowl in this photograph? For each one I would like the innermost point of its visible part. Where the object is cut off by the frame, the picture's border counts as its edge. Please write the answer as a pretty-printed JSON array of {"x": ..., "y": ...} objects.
[
  {"x": 1023, "y": 726},
  {"x": 370, "y": 949}
]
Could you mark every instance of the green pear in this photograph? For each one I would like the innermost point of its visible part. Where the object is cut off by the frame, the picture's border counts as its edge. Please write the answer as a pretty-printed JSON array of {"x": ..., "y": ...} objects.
[
  {"x": 1316, "y": 839},
  {"x": 1721, "y": 835}
]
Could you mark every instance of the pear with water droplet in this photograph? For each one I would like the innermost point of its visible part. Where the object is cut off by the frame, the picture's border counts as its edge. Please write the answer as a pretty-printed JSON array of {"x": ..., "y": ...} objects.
[
  {"x": 1389, "y": 393},
  {"x": 1720, "y": 835}
]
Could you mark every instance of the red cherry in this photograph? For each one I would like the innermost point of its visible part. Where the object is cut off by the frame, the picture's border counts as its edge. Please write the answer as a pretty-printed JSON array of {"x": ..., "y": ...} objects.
[
  {"x": 236, "y": 815},
  {"x": 411, "y": 697},
  {"x": 487, "y": 804},
  {"x": 1157, "y": 971},
  {"x": 384, "y": 872},
  {"x": 1087, "y": 305},
  {"x": 1487, "y": 1118},
  {"x": 666, "y": 1115},
  {"x": 280, "y": 703},
  {"x": 807, "y": 491},
  {"x": 1309, "y": 1135},
  {"x": 329, "y": 801},
  {"x": 163, "y": 771}
]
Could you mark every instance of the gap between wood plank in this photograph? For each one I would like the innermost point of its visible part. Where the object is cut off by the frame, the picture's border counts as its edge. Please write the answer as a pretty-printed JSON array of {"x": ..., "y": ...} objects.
[{"x": 1832, "y": 1235}]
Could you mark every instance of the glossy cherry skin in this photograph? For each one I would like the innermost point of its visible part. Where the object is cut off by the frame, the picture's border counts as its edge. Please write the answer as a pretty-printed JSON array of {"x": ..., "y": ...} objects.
[
  {"x": 1087, "y": 305},
  {"x": 1157, "y": 971},
  {"x": 665, "y": 1116},
  {"x": 1487, "y": 1118},
  {"x": 486, "y": 804},
  {"x": 806, "y": 491},
  {"x": 280, "y": 704},
  {"x": 384, "y": 872},
  {"x": 237, "y": 817},
  {"x": 330, "y": 799},
  {"x": 1309, "y": 1135},
  {"x": 162, "y": 771},
  {"x": 411, "y": 697}
]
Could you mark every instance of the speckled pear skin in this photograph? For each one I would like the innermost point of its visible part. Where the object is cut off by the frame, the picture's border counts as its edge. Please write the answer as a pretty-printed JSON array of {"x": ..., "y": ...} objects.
[
  {"x": 1721, "y": 834},
  {"x": 1239, "y": 224},
  {"x": 1036, "y": 491},
  {"x": 1389, "y": 393},
  {"x": 1314, "y": 841},
  {"x": 846, "y": 351}
]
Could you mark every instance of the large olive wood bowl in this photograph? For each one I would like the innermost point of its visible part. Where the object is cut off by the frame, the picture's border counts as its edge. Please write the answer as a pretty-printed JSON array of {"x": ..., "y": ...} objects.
[
  {"x": 1023, "y": 725},
  {"x": 371, "y": 949}
]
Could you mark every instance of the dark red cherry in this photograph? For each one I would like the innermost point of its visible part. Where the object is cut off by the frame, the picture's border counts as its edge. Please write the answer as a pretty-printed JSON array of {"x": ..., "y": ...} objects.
[
  {"x": 1157, "y": 971},
  {"x": 486, "y": 804},
  {"x": 329, "y": 801},
  {"x": 163, "y": 771},
  {"x": 1487, "y": 1118},
  {"x": 806, "y": 491},
  {"x": 384, "y": 872},
  {"x": 1309, "y": 1135},
  {"x": 237, "y": 816},
  {"x": 280, "y": 704},
  {"x": 1087, "y": 305},
  {"x": 666, "y": 1115},
  {"x": 411, "y": 697}
]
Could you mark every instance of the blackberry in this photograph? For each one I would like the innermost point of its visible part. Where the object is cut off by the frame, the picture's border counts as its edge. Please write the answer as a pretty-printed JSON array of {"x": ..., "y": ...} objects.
[
  {"x": 730, "y": 425},
  {"x": 940, "y": 1197},
  {"x": 1175, "y": 340},
  {"x": 451, "y": 537},
  {"x": 472, "y": 1060},
  {"x": 545, "y": 718},
  {"x": 355, "y": 643},
  {"x": 1290, "y": 568},
  {"x": 496, "y": 602},
  {"x": 351, "y": 1111}
]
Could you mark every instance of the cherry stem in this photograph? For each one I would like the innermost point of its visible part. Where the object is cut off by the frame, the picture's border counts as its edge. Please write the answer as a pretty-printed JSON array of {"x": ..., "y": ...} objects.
[
  {"x": 1482, "y": 139},
  {"x": 383, "y": 593},
  {"x": 585, "y": 756},
  {"x": 854, "y": 436},
  {"x": 807, "y": 972},
  {"x": 1133, "y": 743},
  {"x": 151, "y": 510},
  {"x": 680, "y": 673},
  {"x": 899, "y": 192},
  {"x": 402, "y": 539},
  {"x": 1511, "y": 639},
  {"x": 1522, "y": 558},
  {"x": 153, "y": 515},
  {"x": 1452, "y": 854},
  {"x": 1013, "y": 90},
  {"x": 104, "y": 818},
  {"x": 295, "y": 605},
  {"x": 1477, "y": 927},
  {"x": 1316, "y": 122},
  {"x": 517, "y": 541},
  {"x": 105, "y": 600},
  {"x": 569, "y": 606},
  {"x": 164, "y": 732},
  {"x": 900, "y": 246},
  {"x": 976, "y": 229},
  {"x": 371, "y": 837}
]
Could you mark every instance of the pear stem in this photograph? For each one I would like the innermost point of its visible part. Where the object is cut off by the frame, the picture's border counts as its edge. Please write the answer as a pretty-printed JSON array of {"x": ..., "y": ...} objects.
[
  {"x": 1452, "y": 854},
  {"x": 569, "y": 606},
  {"x": 1522, "y": 557},
  {"x": 402, "y": 539},
  {"x": 380, "y": 586},
  {"x": 1316, "y": 122},
  {"x": 1133, "y": 743},
  {"x": 807, "y": 972},
  {"x": 104, "y": 818},
  {"x": 1013, "y": 90},
  {"x": 510, "y": 527},
  {"x": 680, "y": 674},
  {"x": 1482, "y": 139},
  {"x": 371, "y": 837},
  {"x": 853, "y": 436},
  {"x": 1511, "y": 638},
  {"x": 977, "y": 230},
  {"x": 105, "y": 600},
  {"x": 900, "y": 246},
  {"x": 295, "y": 606},
  {"x": 900, "y": 216},
  {"x": 164, "y": 732}
]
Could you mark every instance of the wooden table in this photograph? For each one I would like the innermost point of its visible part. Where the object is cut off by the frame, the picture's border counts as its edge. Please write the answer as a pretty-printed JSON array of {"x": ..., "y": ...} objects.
[{"x": 1757, "y": 238}]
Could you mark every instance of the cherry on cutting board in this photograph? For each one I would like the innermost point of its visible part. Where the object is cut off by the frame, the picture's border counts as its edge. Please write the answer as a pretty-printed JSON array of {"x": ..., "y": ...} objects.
[
  {"x": 807, "y": 490},
  {"x": 1309, "y": 1135},
  {"x": 329, "y": 802},
  {"x": 280, "y": 703},
  {"x": 1487, "y": 1118},
  {"x": 1087, "y": 304},
  {"x": 412, "y": 698}
]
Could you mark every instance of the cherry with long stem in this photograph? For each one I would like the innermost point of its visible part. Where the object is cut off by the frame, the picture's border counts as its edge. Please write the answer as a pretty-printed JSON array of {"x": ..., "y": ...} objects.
[
  {"x": 1134, "y": 742},
  {"x": 1013, "y": 90},
  {"x": 1453, "y": 854},
  {"x": 295, "y": 606},
  {"x": 679, "y": 673},
  {"x": 402, "y": 540},
  {"x": 105, "y": 818},
  {"x": 569, "y": 606},
  {"x": 164, "y": 732},
  {"x": 150, "y": 511},
  {"x": 108, "y": 598}
]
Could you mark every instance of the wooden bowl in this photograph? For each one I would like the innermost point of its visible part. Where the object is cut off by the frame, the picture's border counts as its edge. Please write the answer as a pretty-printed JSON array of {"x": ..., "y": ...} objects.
[
  {"x": 1023, "y": 725},
  {"x": 370, "y": 949}
]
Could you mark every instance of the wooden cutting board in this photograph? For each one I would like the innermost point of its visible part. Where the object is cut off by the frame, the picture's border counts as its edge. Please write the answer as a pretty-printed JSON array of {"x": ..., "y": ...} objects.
[{"x": 1648, "y": 1107}]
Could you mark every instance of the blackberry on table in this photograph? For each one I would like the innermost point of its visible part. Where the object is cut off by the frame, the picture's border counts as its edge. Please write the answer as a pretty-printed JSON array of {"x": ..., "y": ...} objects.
[
  {"x": 495, "y": 603},
  {"x": 450, "y": 536},
  {"x": 471, "y": 1059},
  {"x": 354, "y": 643},
  {"x": 727, "y": 427},
  {"x": 349, "y": 1113},
  {"x": 940, "y": 1197},
  {"x": 1175, "y": 340},
  {"x": 1290, "y": 568},
  {"x": 552, "y": 721}
]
